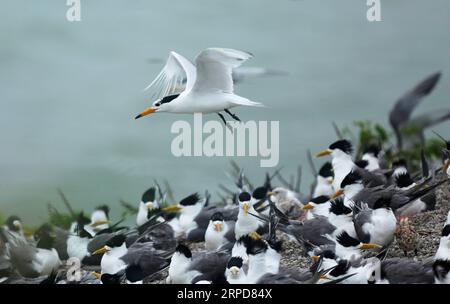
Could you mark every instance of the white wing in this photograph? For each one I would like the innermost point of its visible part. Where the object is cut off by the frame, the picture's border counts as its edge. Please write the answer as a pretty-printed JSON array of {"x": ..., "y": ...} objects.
[
  {"x": 214, "y": 68},
  {"x": 171, "y": 79}
]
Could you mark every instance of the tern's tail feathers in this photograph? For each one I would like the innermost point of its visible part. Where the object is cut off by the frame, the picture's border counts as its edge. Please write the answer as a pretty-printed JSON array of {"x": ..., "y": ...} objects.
[{"x": 241, "y": 101}]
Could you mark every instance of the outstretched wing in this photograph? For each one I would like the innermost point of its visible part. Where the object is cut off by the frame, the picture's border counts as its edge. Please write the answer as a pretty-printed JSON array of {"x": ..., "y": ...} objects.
[
  {"x": 177, "y": 75},
  {"x": 401, "y": 112},
  {"x": 214, "y": 68}
]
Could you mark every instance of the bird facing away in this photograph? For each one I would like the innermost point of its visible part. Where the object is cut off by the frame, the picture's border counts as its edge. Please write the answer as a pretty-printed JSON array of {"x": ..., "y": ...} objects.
[{"x": 208, "y": 87}]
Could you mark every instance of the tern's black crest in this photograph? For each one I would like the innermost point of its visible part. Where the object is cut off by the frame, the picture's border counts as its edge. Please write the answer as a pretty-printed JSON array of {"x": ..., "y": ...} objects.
[
  {"x": 104, "y": 208},
  {"x": 44, "y": 236},
  {"x": 320, "y": 199},
  {"x": 277, "y": 246},
  {"x": 352, "y": 178},
  {"x": 149, "y": 195},
  {"x": 259, "y": 193},
  {"x": 167, "y": 99},
  {"x": 346, "y": 240},
  {"x": 362, "y": 163},
  {"x": 256, "y": 246},
  {"x": 10, "y": 222},
  {"x": 190, "y": 200},
  {"x": 326, "y": 170},
  {"x": 399, "y": 163},
  {"x": 244, "y": 197},
  {"x": 116, "y": 241},
  {"x": 372, "y": 149},
  {"x": 403, "y": 180},
  {"x": 343, "y": 145},
  {"x": 337, "y": 207},
  {"x": 184, "y": 250},
  {"x": 218, "y": 216},
  {"x": 446, "y": 230},
  {"x": 235, "y": 261},
  {"x": 341, "y": 268},
  {"x": 328, "y": 254}
]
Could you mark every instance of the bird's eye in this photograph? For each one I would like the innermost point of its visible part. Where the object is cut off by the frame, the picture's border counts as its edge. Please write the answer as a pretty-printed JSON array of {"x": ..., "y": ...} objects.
[{"x": 157, "y": 104}]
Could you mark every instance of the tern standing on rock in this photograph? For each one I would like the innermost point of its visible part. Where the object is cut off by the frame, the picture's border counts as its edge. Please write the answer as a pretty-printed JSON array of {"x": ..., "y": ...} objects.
[{"x": 208, "y": 88}]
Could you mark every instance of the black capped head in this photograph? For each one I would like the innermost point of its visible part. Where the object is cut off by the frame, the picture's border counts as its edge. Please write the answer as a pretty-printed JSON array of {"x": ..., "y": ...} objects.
[
  {"x": 399, "y": 163},
  {"x": 104, "y": 208},
  {"x": 343, "y": 145},
  {"x": 277, "y": 246},
  {"x": 184, "y": 250},
  {"x": 341, "y": 268},
  {"x": 218, "y": 216},
  {"x": 235, "y": 262},
  {"x": 164, "y": 100},
  {"x": 255, "y": 247},
  {"x": 134, "y": 273},
  {"x": 116, "y": 241},
  {"x": 82, "y": 219},
  {"x": 45, "y": 236},
  {"x": 190, "y": 200},
  {"x": 446, "y": 230},
  {"x": 326, "y": 170},
  {"x": 352, "y": 178},
  {"x": 260, "y": 193},
  {"x": 362, "y": 163},
  {"x": 244, "y": 197},
  {"x": 149, "y": 195},
  {"x": 328, "y": 254},
  {"x": 372, "y": 149},
  {"x": 320, "y": 199},
  {"x": 403, "y": 180},
  {"x": 346, "y": 240},
  {"x": 14, "y": 223},
  {"x": 338, "y": 207}
]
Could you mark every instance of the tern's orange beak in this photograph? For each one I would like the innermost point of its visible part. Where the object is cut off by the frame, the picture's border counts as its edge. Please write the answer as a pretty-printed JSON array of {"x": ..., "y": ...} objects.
[
  {"x": 308, "y": 206},
  {"x": 146, "y": 112},
  {"x": 323, "y": 153},
  {"x": 218, "y": 227},
  {"x": 337, "y": 194}
]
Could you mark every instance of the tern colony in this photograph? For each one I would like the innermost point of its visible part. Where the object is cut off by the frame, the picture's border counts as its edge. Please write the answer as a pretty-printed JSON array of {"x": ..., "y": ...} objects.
[{"x": 346, "y": 225}]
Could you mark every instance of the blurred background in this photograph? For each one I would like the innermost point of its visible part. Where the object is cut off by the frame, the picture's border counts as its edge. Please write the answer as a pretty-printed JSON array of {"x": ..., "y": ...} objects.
[{"x": 70, "y": 90}]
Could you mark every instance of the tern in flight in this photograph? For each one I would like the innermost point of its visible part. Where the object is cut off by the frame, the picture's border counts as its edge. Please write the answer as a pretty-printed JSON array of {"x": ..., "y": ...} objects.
[{"x": 206, "y": 87}]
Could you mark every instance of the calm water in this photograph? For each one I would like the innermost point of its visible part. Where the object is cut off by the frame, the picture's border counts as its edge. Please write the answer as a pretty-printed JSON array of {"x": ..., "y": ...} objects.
[{"x": 69, "y": 91}]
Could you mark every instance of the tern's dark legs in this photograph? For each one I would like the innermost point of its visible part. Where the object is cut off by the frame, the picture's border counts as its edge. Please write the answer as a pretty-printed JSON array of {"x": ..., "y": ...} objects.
[
  {"x": 223, "y": 118},
  {"x": 234, "y": 116},
  {"x": 225, "y": 122}
]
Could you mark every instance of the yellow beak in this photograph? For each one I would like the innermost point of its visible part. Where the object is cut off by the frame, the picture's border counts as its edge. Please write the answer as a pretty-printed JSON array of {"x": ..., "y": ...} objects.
[
  {"x": 270, "y": 193},
  {"x": 97, "y": 275},
  {"x": 218, "y": 227},
  {"x": 98, "y": 223},
  {"x": 245, "y": 206},
  {"x": 101, "y": 250},
  {"x": 308, "y": 206},
  {"x": 337, "y": 194},
  {"x": 234, "y": 270},
  {"x": 149, "y": 206},
  {"x": 323, "y": 153},
  {"x": 146, "y": 112},
  {"x": 172, "y": 208},
  {"x": 254, "y": 235},
  {"x": 315, "y": 258},
  {"x": 367, "y": 246}
]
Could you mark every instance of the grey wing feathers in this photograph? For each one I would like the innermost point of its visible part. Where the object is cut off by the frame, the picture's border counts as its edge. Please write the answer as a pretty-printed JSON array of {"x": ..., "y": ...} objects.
[{"x": 406, "y": 271}]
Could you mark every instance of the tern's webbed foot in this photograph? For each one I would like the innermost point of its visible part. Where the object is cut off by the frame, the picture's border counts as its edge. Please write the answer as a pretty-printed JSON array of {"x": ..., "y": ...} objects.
[{"x": 224, "y": 121}]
